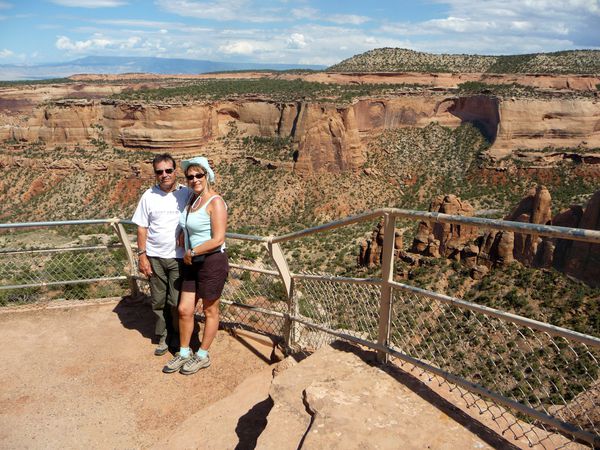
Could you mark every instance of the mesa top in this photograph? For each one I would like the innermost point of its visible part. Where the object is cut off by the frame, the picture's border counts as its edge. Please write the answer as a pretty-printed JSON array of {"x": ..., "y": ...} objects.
[{"x": 159, "y": 211}]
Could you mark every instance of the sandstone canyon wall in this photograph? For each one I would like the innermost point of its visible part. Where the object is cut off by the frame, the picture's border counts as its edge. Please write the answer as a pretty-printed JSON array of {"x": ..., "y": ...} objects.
[{"x": 327, "y": 136}]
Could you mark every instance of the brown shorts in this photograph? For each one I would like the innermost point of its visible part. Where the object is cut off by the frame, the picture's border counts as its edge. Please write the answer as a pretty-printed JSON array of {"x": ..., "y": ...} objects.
[{"x": 210, "y": 275}]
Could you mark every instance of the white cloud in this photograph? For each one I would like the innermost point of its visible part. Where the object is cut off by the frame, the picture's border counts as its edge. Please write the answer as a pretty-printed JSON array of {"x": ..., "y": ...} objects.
[
  {"x": 64, "y": 43},
  {"x": 221, "y": 10},
  {"x": 5, "y": 5},
  {"x": 349, "y": 19},
  {"x": 138, "y": 23},
  {"x": 130, "y": 43},
  {"x": 474, "y": 26},
  {"x": 305, "y": 13},
  {"x": 90, "y": 3},
  {"x": 296, "y": 40},
  {"x": 6, "y": 53},
  {"x": 238, "y": 48}
]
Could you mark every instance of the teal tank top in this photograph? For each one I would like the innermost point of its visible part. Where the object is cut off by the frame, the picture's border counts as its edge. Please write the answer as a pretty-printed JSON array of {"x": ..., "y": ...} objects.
[{"x": 198, "y": 226}]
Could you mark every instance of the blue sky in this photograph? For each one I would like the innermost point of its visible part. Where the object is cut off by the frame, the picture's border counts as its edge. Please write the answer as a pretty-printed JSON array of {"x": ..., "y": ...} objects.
[{"x": 286, "y": 31}]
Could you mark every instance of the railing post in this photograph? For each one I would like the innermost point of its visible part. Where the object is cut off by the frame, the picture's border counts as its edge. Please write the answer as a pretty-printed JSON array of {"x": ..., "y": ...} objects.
[
  {"x": 120, "y": 230},
  {"x": 276, "y": 253},
  {"x": 387, "y": 275}
]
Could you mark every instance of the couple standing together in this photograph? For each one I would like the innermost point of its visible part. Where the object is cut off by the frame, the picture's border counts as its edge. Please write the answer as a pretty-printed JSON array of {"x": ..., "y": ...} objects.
[{"x": 181, "y": 247}]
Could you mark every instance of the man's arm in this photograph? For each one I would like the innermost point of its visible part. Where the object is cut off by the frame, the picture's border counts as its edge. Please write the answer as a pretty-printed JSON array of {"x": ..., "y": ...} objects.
[{"x": 143, "y": 261}]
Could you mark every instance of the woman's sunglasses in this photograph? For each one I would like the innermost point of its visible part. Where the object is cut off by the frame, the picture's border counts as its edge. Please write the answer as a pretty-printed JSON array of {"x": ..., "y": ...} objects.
[{"x": 198, "y": 176}]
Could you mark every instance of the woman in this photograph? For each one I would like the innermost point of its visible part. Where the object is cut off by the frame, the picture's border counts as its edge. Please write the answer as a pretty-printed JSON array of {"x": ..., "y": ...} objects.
[{"x": 205, "y": 269}]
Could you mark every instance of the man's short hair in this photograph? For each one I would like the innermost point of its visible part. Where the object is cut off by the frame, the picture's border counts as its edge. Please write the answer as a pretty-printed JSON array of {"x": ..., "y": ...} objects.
[{"x": 162, "y": 158}]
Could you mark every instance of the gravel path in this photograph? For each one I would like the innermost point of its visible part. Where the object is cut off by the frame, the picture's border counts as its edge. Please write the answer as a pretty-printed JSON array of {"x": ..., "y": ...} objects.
[{"x": 86, "y": 377}]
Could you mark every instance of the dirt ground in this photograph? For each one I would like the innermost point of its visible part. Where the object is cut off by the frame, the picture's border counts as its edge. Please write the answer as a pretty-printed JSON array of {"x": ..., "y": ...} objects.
[{"x": 87, "y": 377}]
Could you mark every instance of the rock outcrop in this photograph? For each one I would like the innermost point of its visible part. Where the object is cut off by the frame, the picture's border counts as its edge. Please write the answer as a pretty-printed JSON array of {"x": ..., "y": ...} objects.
[
  {"x": 334, "y": 399},
  {"x": 371, "y": 250},
  {"x": 534, "y": 209},
  {"x": 579, "y": 259},
  {"x": 538, "y": 124},
  {"x": 327, "y": 139},
  {"x": 444, "y": 239},
  {"x": 493, "y": 248}
]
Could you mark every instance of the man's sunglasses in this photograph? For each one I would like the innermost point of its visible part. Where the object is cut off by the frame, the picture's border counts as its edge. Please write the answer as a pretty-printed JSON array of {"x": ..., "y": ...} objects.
[
  {"x": 198, "y": 176},
  {"x": 160, "y": 171}
]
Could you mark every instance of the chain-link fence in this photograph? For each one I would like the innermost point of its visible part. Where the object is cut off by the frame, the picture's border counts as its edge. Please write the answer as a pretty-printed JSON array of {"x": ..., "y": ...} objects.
[
  {"x": 552, "y": 374},
  {"x": 61, "y": 267},
  {"x": 529, "y": 380}
]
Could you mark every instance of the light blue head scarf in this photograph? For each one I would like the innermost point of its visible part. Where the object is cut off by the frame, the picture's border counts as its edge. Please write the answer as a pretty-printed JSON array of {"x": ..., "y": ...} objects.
[{"x": 202, "y": 162}]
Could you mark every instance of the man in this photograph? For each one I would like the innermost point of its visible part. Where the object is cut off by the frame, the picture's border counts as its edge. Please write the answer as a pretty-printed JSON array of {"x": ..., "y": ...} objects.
[{"x": 157, "y": 218}]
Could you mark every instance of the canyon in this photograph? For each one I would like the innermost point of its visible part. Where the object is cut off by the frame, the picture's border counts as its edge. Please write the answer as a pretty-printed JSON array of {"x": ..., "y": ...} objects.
[{"x": 328, "y": 135}]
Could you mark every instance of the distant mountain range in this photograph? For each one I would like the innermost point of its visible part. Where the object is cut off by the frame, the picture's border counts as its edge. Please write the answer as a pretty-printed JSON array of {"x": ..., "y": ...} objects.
[{"x": 124, "y": 64}]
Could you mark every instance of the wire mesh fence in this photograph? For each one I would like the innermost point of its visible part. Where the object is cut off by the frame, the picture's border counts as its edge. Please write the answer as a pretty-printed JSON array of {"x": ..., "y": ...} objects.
[
  {"x": 352, "y": 309},
  {"x": 551, "y": 374},
  {"x": 259, "y": 292},
  {"x": 35, "y": 277}
]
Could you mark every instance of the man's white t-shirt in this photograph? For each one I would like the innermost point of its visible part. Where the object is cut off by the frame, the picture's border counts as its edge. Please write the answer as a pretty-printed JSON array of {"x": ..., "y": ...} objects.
[{"x": 159, "y": 212}]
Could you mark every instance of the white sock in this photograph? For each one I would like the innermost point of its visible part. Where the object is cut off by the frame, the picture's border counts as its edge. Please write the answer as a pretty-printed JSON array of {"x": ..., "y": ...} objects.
[
  {"x": 202, "y": 353},
  {"x": 185, "y": 351}
]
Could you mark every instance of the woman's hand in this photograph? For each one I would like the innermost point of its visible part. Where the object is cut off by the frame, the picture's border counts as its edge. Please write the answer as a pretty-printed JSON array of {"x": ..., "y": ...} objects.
[
  {"x": 187, "y": 258},
  {"x": 180, "y": 241}
]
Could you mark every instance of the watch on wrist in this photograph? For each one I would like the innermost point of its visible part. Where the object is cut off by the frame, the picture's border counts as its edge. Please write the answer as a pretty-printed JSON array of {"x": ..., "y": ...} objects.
[
  {"x": 141, "y": 252},
  {"x": 192, "y": 252}
]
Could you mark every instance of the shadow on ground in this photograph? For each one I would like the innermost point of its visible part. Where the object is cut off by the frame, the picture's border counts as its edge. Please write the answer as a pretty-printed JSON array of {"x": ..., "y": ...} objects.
[
  {"x": 137, "y": 314},
  {"x": 252, "y": 424}
]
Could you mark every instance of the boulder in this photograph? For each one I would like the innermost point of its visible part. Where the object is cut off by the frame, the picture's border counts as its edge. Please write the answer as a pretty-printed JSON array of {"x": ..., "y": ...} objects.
[
  {"x": 478, "y": 272},
  {"x": 469, "y": 255}
]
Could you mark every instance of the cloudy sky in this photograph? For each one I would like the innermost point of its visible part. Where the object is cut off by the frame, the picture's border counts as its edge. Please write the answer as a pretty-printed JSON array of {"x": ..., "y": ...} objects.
[{"x": 288, "y": 31}]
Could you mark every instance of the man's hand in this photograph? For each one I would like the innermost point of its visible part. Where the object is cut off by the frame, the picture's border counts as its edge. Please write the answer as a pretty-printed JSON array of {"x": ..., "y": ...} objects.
[{"x": 144, "y": 265}]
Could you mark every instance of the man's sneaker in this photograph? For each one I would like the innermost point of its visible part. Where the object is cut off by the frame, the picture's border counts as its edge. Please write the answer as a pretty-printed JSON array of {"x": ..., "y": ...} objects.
[
  {"x": 162, "y": 347},
  {"x": 194, "y": 364},
  {"x": 176, "y": 363}
]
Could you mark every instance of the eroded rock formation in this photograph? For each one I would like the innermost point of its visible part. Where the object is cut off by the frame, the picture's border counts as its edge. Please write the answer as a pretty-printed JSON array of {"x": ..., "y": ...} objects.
[
  {"x": 482, "y": 252},
  {"x": 580, "y": 259},
  {"x": 371, "y": 250},
  {"x": 443, "y": 239},
  {"x": 535, "y": 209}
]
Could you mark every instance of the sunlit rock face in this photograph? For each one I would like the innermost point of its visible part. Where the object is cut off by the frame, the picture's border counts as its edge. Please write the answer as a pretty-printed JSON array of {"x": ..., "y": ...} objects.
[{"x": 328, "y": 136}]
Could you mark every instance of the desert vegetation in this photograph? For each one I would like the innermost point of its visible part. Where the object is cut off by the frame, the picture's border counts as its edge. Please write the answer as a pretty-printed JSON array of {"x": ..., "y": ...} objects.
[{"x": 279, "y": 90}]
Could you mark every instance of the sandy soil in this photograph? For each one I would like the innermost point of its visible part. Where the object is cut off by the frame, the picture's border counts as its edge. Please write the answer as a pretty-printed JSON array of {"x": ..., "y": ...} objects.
[{"x": 86, "y": 377}]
